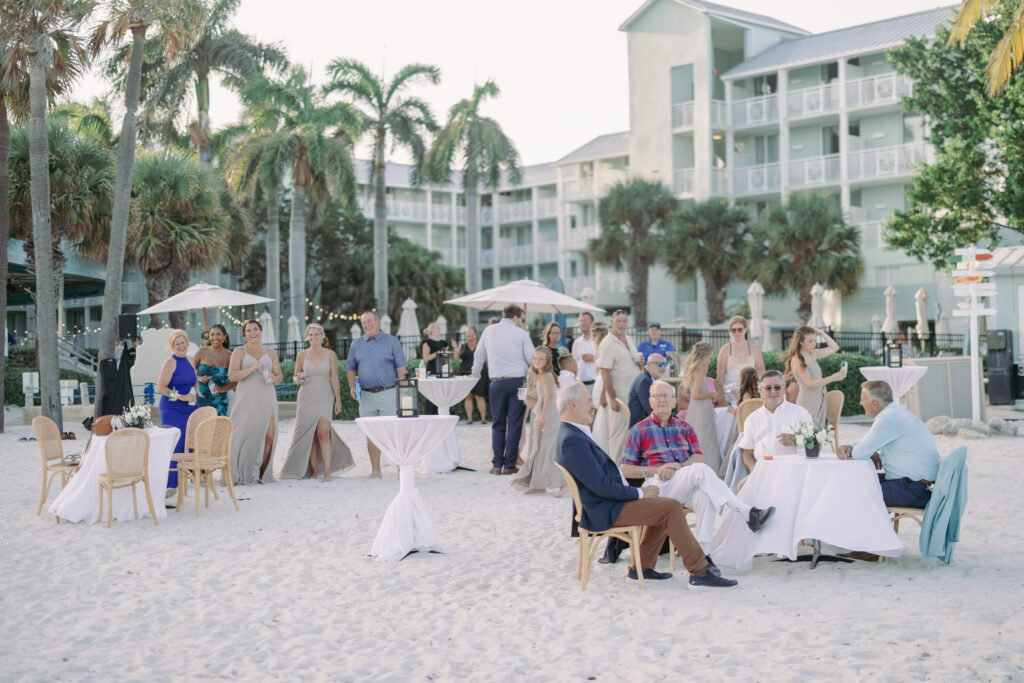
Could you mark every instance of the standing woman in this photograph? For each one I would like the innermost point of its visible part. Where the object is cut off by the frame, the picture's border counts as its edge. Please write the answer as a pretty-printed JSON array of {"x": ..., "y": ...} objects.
[
  {"x": 177, "y": 384},
  {"x": 539, "y": 471},
  {"x": 600, "y": 425},
  {"x": 701, "y": 412},
  {"x": 733, "y": 357},
  {"x": 316, "y": 449},
  {"x": 552, "y": 333},
  {"x": 466, "y": 368},
  {"x": 802, "y": 362},
  {"x": 256, "y": 370},
  {"x": 432, "y": 359},
  {"x": 211, "y": 363}
]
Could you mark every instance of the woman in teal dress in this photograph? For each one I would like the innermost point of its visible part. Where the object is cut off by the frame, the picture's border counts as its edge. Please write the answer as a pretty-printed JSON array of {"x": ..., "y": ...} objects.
[{"x": 211, "y": 363}]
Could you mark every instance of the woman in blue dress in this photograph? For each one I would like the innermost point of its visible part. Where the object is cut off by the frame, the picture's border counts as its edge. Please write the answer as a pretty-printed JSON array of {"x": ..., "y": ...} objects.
[
  {"x": 177, "y": 383},
  {"x": 211, "y": 364}
]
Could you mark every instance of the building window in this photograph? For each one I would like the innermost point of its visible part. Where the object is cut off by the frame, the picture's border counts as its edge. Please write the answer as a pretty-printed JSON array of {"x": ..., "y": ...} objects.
[{"x": 830, "y": 72}]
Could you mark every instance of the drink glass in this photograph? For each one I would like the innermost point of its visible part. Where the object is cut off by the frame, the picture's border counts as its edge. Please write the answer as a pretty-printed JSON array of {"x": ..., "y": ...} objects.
[{"x": 521, "y": 393}]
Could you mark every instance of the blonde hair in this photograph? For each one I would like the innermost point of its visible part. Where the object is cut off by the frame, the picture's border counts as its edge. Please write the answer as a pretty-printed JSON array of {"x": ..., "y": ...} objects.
[
  {"x": 319, "y": 328},
  {"x": 700, "y": 353},
  {"x": 533, "y": 376},
  {"x": 737, "y": 319},
  {"x": 173, "y": 337},
  {"x": 598, "y": 332},
  {"x": 799, "y": 334}
]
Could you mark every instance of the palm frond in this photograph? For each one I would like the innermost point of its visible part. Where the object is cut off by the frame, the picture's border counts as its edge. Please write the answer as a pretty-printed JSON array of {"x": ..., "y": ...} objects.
[
  {"x": 970, "y": 13},
  {"x": 1007, "y": 55}
]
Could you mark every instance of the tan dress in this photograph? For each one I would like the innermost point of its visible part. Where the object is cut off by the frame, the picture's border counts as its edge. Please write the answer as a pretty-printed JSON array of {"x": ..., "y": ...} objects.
[
  {"x": 315, "y": 401},
  {"x": 539, "y": 471},
  {"x": 813, "y": 400},
  {"x": 253, "y": 411},
  {"x": 701, "y": 416}
]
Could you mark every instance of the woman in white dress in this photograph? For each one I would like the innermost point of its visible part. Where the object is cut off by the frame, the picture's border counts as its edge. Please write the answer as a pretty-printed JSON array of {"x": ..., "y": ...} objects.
[
  {"x": 254, "y": 411},
  {"x": 733, "y": 357},
  {"x": 600, "y": 426}
]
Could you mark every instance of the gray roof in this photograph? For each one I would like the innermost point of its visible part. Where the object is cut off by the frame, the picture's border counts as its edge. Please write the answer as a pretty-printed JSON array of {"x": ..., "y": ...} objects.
[
  {"x": 601, "y": 147},
  {"x": 876, "y": 36},
  {"x": 722, "y": 12}
]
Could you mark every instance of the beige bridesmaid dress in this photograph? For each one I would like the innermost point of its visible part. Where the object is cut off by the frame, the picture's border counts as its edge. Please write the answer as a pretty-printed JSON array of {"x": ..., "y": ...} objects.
[
  {"x": 539, "y": 471},
  {"x": 812, "y": 399},
  {"x": 252, "y": 412},
  {"x": 701, "y": 416},
  {"x": 315, "y": 401}
]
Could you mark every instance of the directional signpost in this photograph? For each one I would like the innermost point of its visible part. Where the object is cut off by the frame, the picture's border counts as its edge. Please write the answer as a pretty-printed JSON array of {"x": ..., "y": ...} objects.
[{"x": 969, "y": 281}]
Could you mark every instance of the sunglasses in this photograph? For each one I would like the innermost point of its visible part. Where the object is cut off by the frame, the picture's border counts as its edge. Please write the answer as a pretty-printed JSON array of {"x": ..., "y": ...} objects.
[
  {"x": 738, "y": 329},
  {"x": 773, "y": 387},
  {"x": 661, "y": 364}
]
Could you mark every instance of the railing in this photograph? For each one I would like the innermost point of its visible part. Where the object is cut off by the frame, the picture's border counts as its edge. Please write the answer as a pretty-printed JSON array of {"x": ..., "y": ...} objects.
[
  {"x": 872, "y": 344},
  {"x": 871, "y": 235},
  {"x": 755, "y": 111},
  {"x": 455, "y": 258},
  {"x": 514, "y": 254},
  {"x": 580, "y": 188},
  {"x": 756, "y": 179},
  {"x": 720, "y": 114},
  {"x": 579, "y": 238},
  {"x": 820, "y": 99},
  {"x": 684, "y": 181},
  {"x": 885, "y": 161},
  {"x": 614, "y": 282},
  {"x": 814, "y": 171},
  {"x": 719, "y": 181},
  {"x": 397, "y": 210},
  {"x": 876, "y": 90},
  {"x": 486, "y": 215},
  {"x": 682, "y": 115},
  {"x": 547, "y": 208},
  {"x": 440, "y": 213},
  {"x": 547, "y": 251},
  {"x": 575, "y": 285},
  {"x": 515, "y": 212}
]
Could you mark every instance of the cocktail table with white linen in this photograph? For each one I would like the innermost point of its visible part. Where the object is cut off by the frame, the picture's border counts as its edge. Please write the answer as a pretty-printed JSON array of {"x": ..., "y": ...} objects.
[
  {"x": 444, "y": 392},
  {"x": 824, "y": 498},
  {"x": 899, "y": 379},
  {"x": 80, "y": 499},
  {"x": 406, "y": 441}
]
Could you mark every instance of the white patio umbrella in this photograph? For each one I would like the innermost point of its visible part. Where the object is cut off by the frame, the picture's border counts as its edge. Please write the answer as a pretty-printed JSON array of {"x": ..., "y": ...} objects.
[
  {"x": 890, "y": 326},
  {"x": 817, "y": 303},
  {"x": 408, "y": 325},
  {"x": 204, "y": 296},
  {"x": 531, "y": 295},
  {"x": 294, "y": 333},
  {"x": 759, "y": 332},
  {"x": 921, "y": 299},
  {"x": 385, "y": 324},
  {"x": 269, "y": 333}
]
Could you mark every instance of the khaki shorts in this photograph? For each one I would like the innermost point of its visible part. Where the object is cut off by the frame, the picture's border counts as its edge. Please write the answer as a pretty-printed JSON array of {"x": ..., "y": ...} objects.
[{"x": 373, "y": 404}]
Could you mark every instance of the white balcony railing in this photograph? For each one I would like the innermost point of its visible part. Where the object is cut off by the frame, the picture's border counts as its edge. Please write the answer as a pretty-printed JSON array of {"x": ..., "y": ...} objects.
[
  {"x": 579, "y": 238},
  {"x": 820, "y": 99},
  {"x": 579, "y": 188},
  {"x": 756, "y": 179},
  {"x": 871, "y": 235},
  {"x": 547, "y": 252},
  {"x": 814, "y": 171},
  {"x": 613, "y": 282},
  {"x": 441, "y": 213},
  {"x": 885, "y": 161},
  {"x": 877, "y": 90},
  {"x": 575, "y": 285},
  {"x": 683, "y": 115},
  {"x": 515, "y": 212},
  {"x": 547, "y": 208},
  {"x": 684, "y": 181},
  {"x": 486, "y": 215},
  {"x": 456, "y": 258},
  {"x": 719, "y": 181},
  {"x": 755, "y": 111},
  {"x": 515, "y": 254},
  {"x": 720, "y": 114}
]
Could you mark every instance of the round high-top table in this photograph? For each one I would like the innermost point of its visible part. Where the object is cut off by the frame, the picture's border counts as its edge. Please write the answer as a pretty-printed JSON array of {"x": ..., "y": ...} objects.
[
  {"x": 406, "y": 526},
  {"x": 80, "y": 499},
  {"x": 899, "y": 379},
  {"x": 443, "y": 393},
  {"x": 824, "y": 498}
]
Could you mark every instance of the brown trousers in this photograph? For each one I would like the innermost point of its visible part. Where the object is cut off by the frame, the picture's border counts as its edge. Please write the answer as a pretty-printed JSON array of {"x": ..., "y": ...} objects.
[{"x": 663, "y": 517}]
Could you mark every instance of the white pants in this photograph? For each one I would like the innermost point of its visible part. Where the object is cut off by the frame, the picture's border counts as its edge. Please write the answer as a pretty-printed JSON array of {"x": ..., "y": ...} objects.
[{"x": 699, "y": 488}]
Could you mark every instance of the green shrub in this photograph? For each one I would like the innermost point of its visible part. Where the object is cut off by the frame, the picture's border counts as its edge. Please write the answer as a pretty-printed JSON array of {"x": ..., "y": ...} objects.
[{"x": 13, "y": 393}]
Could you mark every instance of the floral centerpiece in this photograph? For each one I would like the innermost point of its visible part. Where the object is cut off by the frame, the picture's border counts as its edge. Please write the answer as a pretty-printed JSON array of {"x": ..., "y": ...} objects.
[
  {"x": 811, "y": 436},
  {"x": 137, "y": 416}
]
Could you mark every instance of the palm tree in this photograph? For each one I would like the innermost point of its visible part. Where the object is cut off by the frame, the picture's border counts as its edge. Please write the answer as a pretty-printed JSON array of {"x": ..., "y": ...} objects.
[
  {"x": 44, "y": 34},
  {"x": 1008, "y": 53},
  {"x": 633, "y": 216},
  {"x": 803, "y": 243},
  {"x": 385, "y": 113},
  {"x": 296, "y": 130},
  {"x": 486, "y": 153},
  {"x": 707, "y": 238}
]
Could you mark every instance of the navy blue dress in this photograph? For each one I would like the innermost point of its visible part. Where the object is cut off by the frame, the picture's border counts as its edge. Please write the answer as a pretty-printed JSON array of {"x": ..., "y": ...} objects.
[{"x": 176, "y": 413}]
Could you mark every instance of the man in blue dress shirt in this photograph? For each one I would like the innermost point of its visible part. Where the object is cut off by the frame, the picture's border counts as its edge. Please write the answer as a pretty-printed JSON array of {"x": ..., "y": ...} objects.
[
  {"x": 507, "y": 349},
  {"x": 655, "y": 344},
  {"x": 904, "y": 445}
]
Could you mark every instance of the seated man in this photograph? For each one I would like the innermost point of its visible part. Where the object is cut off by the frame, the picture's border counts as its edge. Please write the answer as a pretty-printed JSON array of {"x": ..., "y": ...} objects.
[
  {"x": 664, "y": 450},
  {"x": 769, "y": 429},
  {"x": 639, "y": 393},
  {"x": 904, "y": 445},
  {"x": 607, "y": 500}
]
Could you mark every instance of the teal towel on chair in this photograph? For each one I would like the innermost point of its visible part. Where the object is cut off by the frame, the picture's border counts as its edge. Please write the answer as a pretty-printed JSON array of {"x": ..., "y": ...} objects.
[{"x": 940, "y": 529}]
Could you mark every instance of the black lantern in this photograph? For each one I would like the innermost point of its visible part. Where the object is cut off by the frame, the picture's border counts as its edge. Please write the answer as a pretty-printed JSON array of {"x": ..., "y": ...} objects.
[
  {"x": 444, "y": 364},
  {"x": 408, "y": 398},
  {"x": 894, "y": 355}
]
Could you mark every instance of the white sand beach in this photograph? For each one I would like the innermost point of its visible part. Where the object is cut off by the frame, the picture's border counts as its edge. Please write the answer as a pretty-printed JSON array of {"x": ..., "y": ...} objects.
[{"x": 284, "y": 590}]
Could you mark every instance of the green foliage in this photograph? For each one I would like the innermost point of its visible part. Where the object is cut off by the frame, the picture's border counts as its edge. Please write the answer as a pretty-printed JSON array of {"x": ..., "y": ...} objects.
[
  {"x": 974, "y": 188},
  {"x": 13, "y": 394},
  {"x": 802, "y": 243}
]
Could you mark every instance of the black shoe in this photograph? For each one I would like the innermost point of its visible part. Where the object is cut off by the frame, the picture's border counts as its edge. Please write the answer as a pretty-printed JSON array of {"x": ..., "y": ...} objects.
[
  {"x": 712, "y": 567},
  {"x": 612, "y": 550},
  {"x": 709, "y": 580},
  {"x": 758, "y": 517},
  {"x": 649, "y": 574}
]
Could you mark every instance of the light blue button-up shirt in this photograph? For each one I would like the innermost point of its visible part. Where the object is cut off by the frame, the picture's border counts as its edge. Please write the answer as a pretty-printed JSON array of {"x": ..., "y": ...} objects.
[
  {"x": 507, "y": 349},
  {"x": 904, "y": 444},
  {"x": 376, "y": 360}
]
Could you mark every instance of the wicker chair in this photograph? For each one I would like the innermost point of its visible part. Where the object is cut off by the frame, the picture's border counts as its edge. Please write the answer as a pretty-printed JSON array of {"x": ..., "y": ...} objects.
[
  {"x": 212, "y": 454},
  {"x": 52, "y": 452},
  {"x": 127, "y": 453},
  {"x": 589, "y": 540},
  {"x": 743, "y": 411},
  {"x": 833, "y": 409},
  {"x": 197, "y": 416}
]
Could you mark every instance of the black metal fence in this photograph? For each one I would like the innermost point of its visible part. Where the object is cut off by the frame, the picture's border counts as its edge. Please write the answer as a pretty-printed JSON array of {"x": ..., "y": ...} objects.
[
  {"x": 411, "y": 345},
  {"x": 872, "y": 344}
]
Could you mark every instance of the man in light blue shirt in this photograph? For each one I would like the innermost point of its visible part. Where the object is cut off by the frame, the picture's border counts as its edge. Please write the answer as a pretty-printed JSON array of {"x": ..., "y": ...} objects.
[
  {"x": 904, "y": 445},
  {"x": 507, "y": 349}
]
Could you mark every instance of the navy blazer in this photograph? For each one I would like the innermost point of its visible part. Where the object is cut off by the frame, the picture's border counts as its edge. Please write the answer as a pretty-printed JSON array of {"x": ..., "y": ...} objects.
[{"x": 601, "y": 489}]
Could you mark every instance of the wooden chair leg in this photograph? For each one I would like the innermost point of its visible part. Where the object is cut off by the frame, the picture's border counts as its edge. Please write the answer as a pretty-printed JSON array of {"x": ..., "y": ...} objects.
[
  {"x": 149, "y": 498},
  {"x": 101, "y": 504},
  {"x": 135, "y": 502},
  {"x": 182, "y": 487},
  {"x": 47, "y": 482},
  {"x": 231, "y": 488},
  {"x": 195, "y": 485},
  {"x": 42, "y": 493},
  {"x": 585, "y": 541},
  {"x": 213, "y": 486},
  {"x": 110, "y": 504}
]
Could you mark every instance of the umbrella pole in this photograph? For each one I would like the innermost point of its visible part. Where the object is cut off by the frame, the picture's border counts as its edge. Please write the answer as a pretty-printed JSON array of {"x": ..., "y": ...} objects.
[{"x": 205, "y": 325}]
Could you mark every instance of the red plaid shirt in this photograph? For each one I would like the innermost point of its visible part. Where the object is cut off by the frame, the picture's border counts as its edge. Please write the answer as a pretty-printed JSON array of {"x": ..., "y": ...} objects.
[{"x": 651, "y": 445}]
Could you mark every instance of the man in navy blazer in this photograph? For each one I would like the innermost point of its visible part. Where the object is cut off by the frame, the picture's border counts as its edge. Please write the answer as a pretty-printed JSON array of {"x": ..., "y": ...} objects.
[{"x": 608, "y": 501}]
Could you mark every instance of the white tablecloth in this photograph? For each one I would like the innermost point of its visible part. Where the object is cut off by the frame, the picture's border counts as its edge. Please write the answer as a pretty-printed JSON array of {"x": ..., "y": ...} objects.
[
  {"x": 80, "y": 499},
  {"x": 900, "y": 379},
  {"x": 444, "y": 393},
  {"x": 406, "y": 441},
  {"x": 835, "y": 501},
  {"x": 725, "y": 423}
]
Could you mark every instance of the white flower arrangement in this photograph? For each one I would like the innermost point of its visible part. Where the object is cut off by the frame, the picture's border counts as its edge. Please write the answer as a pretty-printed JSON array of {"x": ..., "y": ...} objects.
[
  {"x": 812, "y": 434},
  {"x": 172, "y": 395},
  {"x": 137, "y": 416}
]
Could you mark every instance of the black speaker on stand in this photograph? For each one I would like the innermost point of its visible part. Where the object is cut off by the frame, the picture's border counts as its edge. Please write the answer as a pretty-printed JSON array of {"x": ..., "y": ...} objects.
[{"x": 127, "y": 327}]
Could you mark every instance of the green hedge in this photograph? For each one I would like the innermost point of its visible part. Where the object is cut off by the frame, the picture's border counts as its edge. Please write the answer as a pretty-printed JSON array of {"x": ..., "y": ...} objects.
[
  {"x": 849, "y": 386},
  {"x": 13, "y": 394}
]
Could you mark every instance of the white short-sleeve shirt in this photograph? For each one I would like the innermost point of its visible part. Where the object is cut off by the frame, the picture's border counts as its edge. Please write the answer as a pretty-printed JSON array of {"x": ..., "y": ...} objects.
[{"x": 762, "y": 428}]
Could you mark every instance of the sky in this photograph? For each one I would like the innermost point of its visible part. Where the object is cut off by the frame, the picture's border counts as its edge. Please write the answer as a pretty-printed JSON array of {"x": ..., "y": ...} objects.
[{"x": 561, "y": 65}]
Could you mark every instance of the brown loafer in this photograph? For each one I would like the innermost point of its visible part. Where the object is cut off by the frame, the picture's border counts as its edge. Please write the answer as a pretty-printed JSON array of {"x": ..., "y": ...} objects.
[
  {"x": 495, "y": 470},
  {"x": 510, "y": 470}
]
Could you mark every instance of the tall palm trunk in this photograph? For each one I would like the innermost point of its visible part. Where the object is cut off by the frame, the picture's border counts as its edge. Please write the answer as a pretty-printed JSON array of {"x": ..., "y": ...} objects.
[
  {"x": 179, "y": 281},
  {"x": 46, "y": 312},
  {"x": 380, "y": 230},
  {"x": 473, "y": 237},
  {"x": 122, "y": 199},
  {"x": 715, "y": 299},
  {"x": 5, "y": 232},
  {"x": 297, "y": 255},
  {"x": 158, "y": 287},
  {"x": 274, "y": 261},
  {"x": 201, "y": 137},
  {"x": 638, "y": 290}
]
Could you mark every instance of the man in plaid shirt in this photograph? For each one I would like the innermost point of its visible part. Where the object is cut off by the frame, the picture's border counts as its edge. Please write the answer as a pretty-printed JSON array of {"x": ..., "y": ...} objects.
[{"x": 664, "y": 451}]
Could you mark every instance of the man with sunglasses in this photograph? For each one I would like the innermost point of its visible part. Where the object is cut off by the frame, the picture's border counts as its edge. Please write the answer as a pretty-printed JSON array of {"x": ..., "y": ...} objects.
[
  {"x": 769, "y": 429},
  {"x": 640, "y": 392}
]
